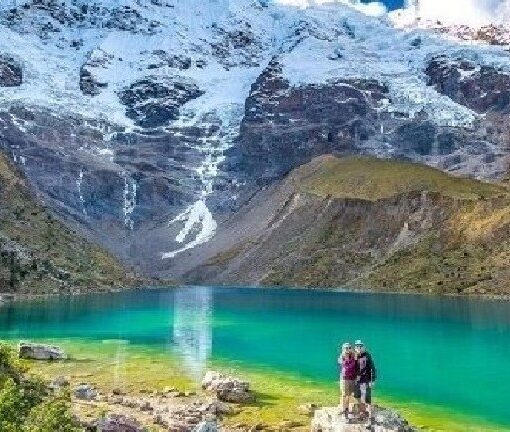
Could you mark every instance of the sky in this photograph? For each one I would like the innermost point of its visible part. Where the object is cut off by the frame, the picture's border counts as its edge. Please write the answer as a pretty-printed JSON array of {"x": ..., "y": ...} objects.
[
  {"x": 390, "y": 4},
  {"x": 471, "y": 12}
]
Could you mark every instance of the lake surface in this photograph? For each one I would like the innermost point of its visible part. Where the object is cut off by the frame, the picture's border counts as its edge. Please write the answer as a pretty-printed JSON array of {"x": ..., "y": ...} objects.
[{"x": 448, "y": 352}]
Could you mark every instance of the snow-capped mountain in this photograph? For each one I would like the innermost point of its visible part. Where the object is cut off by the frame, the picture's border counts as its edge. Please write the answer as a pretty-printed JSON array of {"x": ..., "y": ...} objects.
[{"x": 146, "y": 122}]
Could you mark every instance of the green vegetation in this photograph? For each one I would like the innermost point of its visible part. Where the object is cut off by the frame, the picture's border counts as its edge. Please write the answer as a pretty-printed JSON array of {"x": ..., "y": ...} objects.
[
  {"x": 26, "y": 404},
  {"x": 370, "y": 178},
  {"x": 38, "y": 254}
]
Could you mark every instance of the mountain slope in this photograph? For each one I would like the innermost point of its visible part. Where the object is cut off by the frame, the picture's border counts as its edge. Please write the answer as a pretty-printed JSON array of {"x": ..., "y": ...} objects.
[
  {"x": 369, "y": 223},
  {"x": 146, "y": 124},
  {"x": 40, "y": 255}
]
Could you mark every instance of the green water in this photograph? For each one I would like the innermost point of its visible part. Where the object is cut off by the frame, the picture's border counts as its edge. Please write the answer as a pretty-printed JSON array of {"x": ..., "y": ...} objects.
[{"x": 450, "y": 353}]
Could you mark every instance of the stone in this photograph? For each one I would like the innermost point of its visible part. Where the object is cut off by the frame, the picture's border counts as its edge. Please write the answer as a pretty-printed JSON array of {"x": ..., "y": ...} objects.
[
  {"x": 6, "y": 298},
  {"x": 33, "y": 351},
  {"x": 228, "y": 388},
  {"x": 118, "y": 423},
  {"x": 331, "y": 419},
  {"x": 85, "y": 392},
  {"x": 206, "y": 426}
]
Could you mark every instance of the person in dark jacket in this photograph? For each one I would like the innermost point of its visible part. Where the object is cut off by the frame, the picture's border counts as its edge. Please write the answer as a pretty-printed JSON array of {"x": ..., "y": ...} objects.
[
  {"x": 365, "y": 378},
  {"x": 347, "y": 364}
]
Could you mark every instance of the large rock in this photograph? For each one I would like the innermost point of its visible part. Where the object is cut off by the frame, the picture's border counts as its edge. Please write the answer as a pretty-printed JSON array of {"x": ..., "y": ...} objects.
[
  {"x": 332, "y": 420},
  {"x": 228, "y": 388},
  {"x": 28, "y": 350}
]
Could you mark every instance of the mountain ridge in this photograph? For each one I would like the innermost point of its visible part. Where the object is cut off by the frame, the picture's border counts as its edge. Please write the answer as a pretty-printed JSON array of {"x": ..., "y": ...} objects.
[{"x": 147, "y": 124}]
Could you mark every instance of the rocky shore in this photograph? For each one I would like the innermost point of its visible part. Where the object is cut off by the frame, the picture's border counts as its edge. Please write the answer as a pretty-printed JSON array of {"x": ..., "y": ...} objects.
[{"x": 217, "y": 406}]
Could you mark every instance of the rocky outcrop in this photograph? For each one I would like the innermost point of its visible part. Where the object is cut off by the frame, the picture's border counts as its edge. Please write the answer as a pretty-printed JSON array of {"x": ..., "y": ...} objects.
[
  {"x": 332, "y": 420},
  {"x": 228, "y": 388},
  {"x": 154, "y": 101},
  {"x": 11, "y": 72},
  {"x": 48, "y": 18},
  {"x": 32, "y": 351},
  {"x": 89, "y": 84},
  {"x": 286, "y": 126},
  {"x": 480, "y": 87}
]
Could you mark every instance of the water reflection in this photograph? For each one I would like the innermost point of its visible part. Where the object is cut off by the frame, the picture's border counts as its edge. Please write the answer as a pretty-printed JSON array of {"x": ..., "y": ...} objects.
[{"x": 192, "y": 333}]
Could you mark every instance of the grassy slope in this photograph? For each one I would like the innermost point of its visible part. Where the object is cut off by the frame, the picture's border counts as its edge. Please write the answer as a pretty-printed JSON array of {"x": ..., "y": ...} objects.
[
  {"x": 372, "y": 179},
  {"x": 467, "y": 252},
  {"x": 40, "y": 255}
]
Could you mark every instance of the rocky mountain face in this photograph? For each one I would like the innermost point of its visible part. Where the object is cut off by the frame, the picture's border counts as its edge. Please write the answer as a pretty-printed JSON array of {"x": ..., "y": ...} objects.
[
  {"x": 147, "y": 125},
  {"x": 40, "y": 255}
]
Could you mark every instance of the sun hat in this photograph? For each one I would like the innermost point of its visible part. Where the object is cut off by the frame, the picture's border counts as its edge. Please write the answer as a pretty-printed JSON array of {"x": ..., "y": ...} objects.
[{"x": 359, "y": 343}]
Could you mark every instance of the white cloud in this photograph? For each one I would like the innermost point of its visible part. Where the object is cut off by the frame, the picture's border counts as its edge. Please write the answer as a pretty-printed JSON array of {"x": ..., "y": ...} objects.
[
  {"x": 471, "y": 12},
  {"x": 374, "y": 8}
]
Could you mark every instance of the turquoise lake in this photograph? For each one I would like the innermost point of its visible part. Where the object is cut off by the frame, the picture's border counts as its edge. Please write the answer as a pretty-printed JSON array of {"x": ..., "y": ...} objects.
[{"x": 448, "y": 352}]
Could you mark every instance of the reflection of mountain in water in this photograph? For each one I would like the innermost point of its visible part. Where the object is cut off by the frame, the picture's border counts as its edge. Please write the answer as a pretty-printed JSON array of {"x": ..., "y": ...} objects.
[{"x": 192, "y": 334}]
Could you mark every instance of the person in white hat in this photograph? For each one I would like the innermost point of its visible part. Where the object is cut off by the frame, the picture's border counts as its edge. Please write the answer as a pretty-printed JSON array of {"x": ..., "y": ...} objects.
[
  {"x": 365, "y": 379},
  {"x": 347, "y": 364}
]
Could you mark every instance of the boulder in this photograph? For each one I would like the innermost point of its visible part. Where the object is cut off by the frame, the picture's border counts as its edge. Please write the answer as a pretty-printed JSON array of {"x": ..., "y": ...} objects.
[
  {"x": 117, "y": 423},
  {"x": 228, "y": 388},
  {"x": 332, "y": 420},
  {"x": 85, "y": 392},
  {"x": 28, "y": 350}
]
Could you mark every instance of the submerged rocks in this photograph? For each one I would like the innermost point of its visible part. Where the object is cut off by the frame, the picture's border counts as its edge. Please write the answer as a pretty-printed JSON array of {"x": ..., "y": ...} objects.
[
  {"x": 332, "y": 420},
  {"x": 11, "y": 73},
  {"x": 228, "y": 388},
  {"x": 33, "y": 351}
]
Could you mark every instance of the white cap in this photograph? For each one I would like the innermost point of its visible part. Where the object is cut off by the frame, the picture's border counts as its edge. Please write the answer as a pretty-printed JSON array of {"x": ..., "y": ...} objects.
[
  {"x": 359, "y": 343},
  {"x": 346, "y": 345}
]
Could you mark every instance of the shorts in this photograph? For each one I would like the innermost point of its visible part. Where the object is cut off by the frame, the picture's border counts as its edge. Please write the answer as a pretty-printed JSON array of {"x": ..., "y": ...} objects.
[
  {"x": 348, "y": 387},
  {"x": 364, "y": 393}
]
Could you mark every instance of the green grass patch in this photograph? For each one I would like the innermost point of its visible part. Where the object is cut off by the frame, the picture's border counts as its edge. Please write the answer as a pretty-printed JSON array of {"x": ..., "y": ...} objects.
[{"x": 371, "y": 179}]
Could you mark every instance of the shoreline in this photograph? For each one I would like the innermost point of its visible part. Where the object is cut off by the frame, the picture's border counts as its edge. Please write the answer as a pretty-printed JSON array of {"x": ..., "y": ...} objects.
[
  {"x": 281, "y": 395},
  {"x": 6, "y": 298}
]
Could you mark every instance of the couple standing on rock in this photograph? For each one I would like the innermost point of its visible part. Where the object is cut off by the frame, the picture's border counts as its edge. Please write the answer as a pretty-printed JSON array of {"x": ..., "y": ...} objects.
[{"x": 357, "y": 378}]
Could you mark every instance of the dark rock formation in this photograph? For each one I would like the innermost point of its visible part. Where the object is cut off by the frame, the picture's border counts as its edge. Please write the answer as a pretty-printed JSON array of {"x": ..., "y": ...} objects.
[
  {"x": 286, "y": 126},
  {"x": 88, "y": 84},
  {"x": 479, "y": 87},
  {"x": 11, "y": 74},
  {"x": 152, "y": 101}
]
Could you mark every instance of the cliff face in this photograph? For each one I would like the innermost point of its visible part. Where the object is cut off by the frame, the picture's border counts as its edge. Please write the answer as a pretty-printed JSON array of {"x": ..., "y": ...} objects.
[
  {"x": 38, "y": 254},
  {"x": 366, "y": 223}
]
